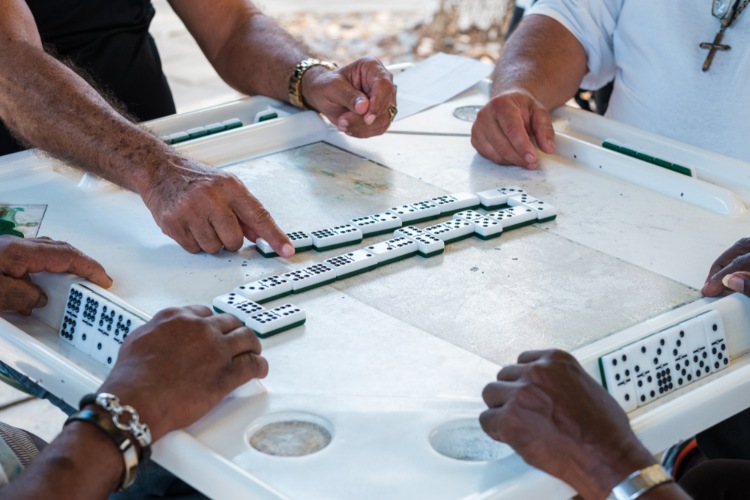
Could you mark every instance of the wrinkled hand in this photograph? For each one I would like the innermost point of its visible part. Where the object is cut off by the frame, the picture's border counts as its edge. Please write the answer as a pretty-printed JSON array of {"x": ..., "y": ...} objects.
[
  {"x": 181, "y": 364},
  {"x": 562, "y": 421},
  {"x": 19, "y": 257},
  {"x": 355, "y": 98},
  {"x": 506, "y": 126},
  {"x": 203, "y": 208},
  {"x": 731, "y": 270}
]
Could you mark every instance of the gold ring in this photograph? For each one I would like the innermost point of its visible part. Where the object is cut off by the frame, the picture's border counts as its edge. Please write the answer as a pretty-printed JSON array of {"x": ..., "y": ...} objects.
[{"x": 392, "y": 111}]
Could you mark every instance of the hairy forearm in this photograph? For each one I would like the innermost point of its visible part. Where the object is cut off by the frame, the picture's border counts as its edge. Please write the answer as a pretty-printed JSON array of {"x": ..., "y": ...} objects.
[
  {"x": 49, "y": 106},
  {"x": 81, "y": 463},
  {"x": 543, "y": 58},
  {"x": 259, "y": 57}
]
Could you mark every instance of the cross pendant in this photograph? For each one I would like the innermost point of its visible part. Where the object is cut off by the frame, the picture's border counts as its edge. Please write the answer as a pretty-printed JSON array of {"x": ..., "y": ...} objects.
[{"x": 712, "y": 48}]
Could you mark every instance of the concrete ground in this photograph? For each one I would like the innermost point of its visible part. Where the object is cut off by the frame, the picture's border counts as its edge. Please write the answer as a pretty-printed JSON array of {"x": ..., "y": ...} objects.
[{"x": 195, "y": 85}]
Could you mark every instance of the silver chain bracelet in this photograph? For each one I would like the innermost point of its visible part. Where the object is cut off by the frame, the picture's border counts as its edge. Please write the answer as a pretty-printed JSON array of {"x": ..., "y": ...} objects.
[{"x": 140, "y": 431}]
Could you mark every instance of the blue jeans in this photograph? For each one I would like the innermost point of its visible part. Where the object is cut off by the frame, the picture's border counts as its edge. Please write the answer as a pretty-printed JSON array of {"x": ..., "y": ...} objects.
[{"x": 153, "y": 481}]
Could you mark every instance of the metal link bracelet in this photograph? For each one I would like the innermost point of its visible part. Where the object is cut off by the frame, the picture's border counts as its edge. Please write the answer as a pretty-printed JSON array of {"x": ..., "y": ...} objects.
[
  {"x": 295, "y": 82},
  {"x": 133, "y": 424},
  {"x": 639, "y": 482}
]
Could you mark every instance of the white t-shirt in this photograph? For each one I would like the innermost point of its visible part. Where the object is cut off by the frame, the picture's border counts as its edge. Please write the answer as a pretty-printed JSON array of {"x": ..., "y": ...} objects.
[{"x": 651, "y": 48}]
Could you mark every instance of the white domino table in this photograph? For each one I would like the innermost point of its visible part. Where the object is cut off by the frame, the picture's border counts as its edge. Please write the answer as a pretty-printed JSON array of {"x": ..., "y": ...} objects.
[{"x": 392, "y": 362}]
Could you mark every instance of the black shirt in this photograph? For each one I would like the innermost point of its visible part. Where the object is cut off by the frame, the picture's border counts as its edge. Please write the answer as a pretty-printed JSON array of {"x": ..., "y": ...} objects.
[{"x": 109, "y": 41}]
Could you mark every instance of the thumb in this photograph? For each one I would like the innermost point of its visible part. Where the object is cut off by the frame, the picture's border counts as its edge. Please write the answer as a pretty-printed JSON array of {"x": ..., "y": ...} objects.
[
  {"x": 351, "y": 99},
  {"x": 20, "y": 295},
  {"x": 739, "y": 282}
]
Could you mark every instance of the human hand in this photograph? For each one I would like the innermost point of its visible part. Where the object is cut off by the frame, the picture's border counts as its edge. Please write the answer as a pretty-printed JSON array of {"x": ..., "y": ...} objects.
[
  {"x": 506, "y": 126},
  {"x": 181, "y": 364},
  {"x": 563, "y": 422},
  {"x": 731, "y": 270},
  {"x": 203, "y": 208},
  {"x": 355, "y": 98},
  {"x": 19, "y": 257}
]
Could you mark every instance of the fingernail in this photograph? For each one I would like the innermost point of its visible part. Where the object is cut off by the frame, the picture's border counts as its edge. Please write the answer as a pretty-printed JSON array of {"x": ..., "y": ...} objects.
[
  {"x": 42, "y": 300},
  {"x": 287, "y": 250},
  {"x": 734, "y": 283},
  {"x": 343, "y": 125},
  {"x": 358, "y": 100},
  {"x": 369, "y": 119},
  {"x": 529, "y": 158}
]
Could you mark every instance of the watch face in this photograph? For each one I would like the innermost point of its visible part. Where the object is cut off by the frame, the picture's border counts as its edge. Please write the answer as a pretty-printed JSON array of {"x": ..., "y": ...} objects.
[{"x": 722, "y": 8}]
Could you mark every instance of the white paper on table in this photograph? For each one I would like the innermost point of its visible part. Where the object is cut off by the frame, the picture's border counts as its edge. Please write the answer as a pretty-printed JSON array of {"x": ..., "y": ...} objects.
[{"x": 435, "y": 80}]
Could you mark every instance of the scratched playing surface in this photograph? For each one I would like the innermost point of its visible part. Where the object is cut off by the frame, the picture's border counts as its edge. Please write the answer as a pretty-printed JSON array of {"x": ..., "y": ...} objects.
[{"x": 527, "y": 289}]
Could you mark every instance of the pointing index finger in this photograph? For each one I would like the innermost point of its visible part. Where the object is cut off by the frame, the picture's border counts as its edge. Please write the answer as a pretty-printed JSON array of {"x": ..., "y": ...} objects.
[{"x": 259, "y": 222}]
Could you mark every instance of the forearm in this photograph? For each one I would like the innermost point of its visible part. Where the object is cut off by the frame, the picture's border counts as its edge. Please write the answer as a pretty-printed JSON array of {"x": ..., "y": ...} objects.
[
  {"x": 259, "y": 58},
  {"x": 81, "y": 463},
  {"x": 543, "y": 58},
  {"x": 603, "y": 468},
  {"x": 248, "y": 49},
  {"x": 49, "y": 106}
]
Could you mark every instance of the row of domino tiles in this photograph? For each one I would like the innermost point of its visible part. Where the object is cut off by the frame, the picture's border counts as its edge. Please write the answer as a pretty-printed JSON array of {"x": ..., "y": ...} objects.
[
  {"x": 356, "y": 229},
  {"x": 663, "y": 362},
  {"x": 244, "y": 301},
  {"x": 217, "y": 127},
  {"x": 196, "y": 132},
  {"x": 627, "y": 150},
  {"x": 97, "y": 325}
]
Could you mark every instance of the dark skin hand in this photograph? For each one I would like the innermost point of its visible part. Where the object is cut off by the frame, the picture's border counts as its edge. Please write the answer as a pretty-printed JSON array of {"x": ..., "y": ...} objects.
[
  {"x": 172, "y": 371},
  {"x": 19, "y": 257},
  {"x": 731, "y": 271},
  {"x": 560, "y": 420},
  {"x": 182, "y": 363}
]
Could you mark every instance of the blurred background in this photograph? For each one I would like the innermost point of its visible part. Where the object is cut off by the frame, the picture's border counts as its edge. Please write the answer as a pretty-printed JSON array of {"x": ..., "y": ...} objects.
[{"x": 394, "y": 31}]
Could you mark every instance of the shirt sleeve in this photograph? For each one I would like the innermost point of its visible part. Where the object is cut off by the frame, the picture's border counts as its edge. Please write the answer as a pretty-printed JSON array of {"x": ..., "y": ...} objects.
[{"x": 593, "y": 23}]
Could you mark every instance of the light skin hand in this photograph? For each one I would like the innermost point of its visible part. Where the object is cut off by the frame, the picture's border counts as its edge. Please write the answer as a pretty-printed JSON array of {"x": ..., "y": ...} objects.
[
  {"x": 181, "y": 364},
  {"x": 75, "y": 123},
  {"x": 507, "y": 127},
  {"x": 203, "y": 208},
  {"x": 256, "y": 56},
  {"x": 540, "y": 68},
  {"x": 731, "y": 271},
  {"x": 355, "y": 98},
  {"x": 563, "y": 422},
  {"x": 19, "y": 257}
]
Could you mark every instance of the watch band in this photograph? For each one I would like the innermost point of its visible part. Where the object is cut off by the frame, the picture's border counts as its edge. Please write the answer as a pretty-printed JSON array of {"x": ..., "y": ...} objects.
[
  {"x": 295, "y": 82},
  {"x": 639, "y": 482},
  {"x": 121, "y": 440}
]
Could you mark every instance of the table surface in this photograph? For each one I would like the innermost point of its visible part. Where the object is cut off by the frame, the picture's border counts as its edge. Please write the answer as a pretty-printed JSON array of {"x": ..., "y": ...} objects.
[{"x": 389, "y": 355}]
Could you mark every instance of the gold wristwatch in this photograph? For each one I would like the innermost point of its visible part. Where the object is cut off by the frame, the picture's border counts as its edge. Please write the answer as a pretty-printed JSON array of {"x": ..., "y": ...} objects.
[{"x": 295, "y": 82}]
